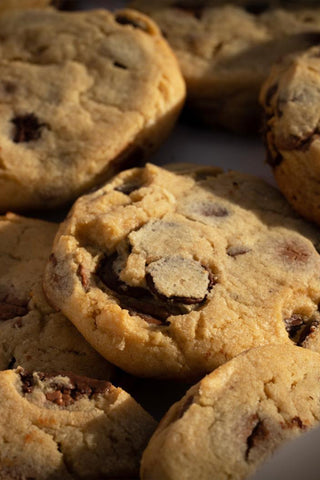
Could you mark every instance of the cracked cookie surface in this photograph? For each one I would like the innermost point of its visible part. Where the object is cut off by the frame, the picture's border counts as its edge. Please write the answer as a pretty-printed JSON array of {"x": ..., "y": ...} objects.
[
  {"x": 73, "y": 114},
  {"x": 32, "y": 334},
  {"x": 225, "y": 51},
  {"x": 67, "y": 426},
  {"x": 235, "y": 417},
  {"x": 172, "y": 273},
  {"x": 291, "y": 99}
]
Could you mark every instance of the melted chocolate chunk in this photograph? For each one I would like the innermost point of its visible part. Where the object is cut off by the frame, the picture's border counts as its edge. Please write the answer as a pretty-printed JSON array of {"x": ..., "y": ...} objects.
[
  {"x": 27, "y": 381},
  {"x": 144, "y": 302},
  {"x": 61, "y": 394},
  {"x": 28, "y": 128},
  {"x": 258, "y": 434},
  {"x": 134, "y": 22},
  {"x": 257, "y": 9},
  {"x": 300, "y": 327},
  {"x": 11, "y": 310}
]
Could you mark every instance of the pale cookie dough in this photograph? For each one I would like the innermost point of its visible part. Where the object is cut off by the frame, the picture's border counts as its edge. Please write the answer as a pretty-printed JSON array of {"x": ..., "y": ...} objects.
[
  {"x": 32, "y": 334},
  {"x": 68, "y": 427},
  {"x": 291, "y": 101},
  {"x": 225, "y": 50},
  {"x": 234, "y": 418},
  {"x": 171, "y": 275},
  {"x": 81, "y": 95}
]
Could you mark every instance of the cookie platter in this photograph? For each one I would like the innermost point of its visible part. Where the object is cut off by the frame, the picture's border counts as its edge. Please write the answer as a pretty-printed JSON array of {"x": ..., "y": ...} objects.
[{"x": 153, "y": 269}]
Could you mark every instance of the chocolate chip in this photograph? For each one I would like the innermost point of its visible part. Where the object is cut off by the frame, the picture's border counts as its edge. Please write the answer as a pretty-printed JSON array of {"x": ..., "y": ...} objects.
[
  {"x": 61, "y": 394},
  {"x": 213, "y": 210},
  {"x": 27, "y": 128},
  {"x": 120, "y": 65},
  {"x": 27, "y": 381},
  {"x": 299, "y": 327},
  {"x": 258, "y": 434},
  {"x": 195, "y": 11},
  {"x": 149, "y": 304},
  {"x": 128, "y": 187},
  {"x": 270, "y": 93},
  {"x": 257, "y": 9},
  {"x": 84, "y": 278},
  {"x": 294, "y": 252},
  {"x": 10, "y": 310},
  {"x": 135, "y": 22},
  {"x": 236, "y": 250},
  {"x": 274, "y": 157}
]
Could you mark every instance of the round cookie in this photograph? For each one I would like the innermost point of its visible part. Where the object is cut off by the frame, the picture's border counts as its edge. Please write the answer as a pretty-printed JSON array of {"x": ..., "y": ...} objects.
[
  {"x": 68, "y": 427},
  {"x": 225, "y": 51},
  {"x": 81, "y": 95},
  {"x": 32, "y": 334},
  {"x": 171, "y": 274},
  {"x": 291, "y": 99},
  {"x": 234, "y": 418}
]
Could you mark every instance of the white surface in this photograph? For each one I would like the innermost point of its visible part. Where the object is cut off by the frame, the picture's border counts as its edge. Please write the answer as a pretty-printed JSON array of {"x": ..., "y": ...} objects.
[{"x": 300, "y": 459}]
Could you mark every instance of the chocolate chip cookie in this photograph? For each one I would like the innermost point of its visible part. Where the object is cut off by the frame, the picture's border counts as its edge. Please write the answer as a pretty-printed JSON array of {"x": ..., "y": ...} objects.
[
  {"x": 170, "y": 274},
  {"x": 81, "y": 95},
  {"x": 291, "y": 99},
  {"x": 64, "y": 426},
  {"x": 32, "y": 334},
  {"x": 234, "y": 418},
  {"x": 225, "y": 51}
]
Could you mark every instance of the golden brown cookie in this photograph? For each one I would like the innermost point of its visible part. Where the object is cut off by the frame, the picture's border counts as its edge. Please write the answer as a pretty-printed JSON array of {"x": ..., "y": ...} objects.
[
  {"x": 233, "y": 419},
  {"x": 172, "y": 274},
  {"x": 64, "y": 426},
  {"x": 225, "y": 50},
  {"x": 81, "y": 95},
  {"x": 291, "y": 98}
]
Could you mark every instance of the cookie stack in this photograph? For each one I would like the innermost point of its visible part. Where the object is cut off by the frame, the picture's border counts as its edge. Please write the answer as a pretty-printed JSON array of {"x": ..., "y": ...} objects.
[{"x": 178, "y": 274}]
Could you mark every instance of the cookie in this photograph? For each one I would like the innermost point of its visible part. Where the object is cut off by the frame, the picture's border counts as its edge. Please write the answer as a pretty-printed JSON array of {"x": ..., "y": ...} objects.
[
  {"x": 81, "y": 95},
  {"x": 225, "y": 51},
  {"x": 170, "y": 274},
  {"x": 63, "y": 426},
  {"x": 32, "y": 334},
  {"x": 290, "y": 98},
  {"x": 22, "y": 4},
  {"x": 234, "y": 418}
]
